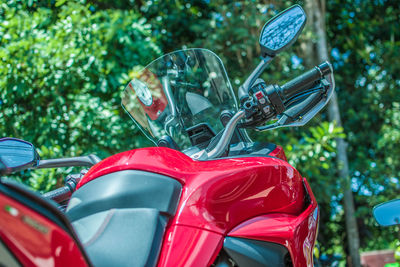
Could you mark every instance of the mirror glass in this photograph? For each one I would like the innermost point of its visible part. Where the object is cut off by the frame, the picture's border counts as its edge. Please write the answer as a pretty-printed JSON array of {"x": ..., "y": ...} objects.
[
  {"x": 15, "y": 153},
  {"x": 388, "y": 213},
  {"x": 282, "y": 30}
]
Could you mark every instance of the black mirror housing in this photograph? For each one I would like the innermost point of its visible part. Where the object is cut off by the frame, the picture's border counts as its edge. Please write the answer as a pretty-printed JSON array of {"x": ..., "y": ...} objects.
[
  {"x": 16, "y": 155},
  {"x": 282, "y": 30}
]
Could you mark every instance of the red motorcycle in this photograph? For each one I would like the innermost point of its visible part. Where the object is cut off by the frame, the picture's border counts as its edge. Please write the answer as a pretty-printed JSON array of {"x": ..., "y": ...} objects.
[{"x": 207, "y": 195}]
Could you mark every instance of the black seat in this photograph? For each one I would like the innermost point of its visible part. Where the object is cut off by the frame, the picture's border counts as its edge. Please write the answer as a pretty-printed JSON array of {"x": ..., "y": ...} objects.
[{"x": 121, "y": 217}]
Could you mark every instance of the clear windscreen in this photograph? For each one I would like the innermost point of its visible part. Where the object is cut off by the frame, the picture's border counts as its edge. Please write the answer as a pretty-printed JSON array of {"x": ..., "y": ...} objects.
[{"x": 177, "y": 93}]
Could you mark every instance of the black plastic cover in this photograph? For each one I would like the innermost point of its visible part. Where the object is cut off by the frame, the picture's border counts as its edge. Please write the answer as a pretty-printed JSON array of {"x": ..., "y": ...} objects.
[
  {"x": 125, "y": 189},
  {"x": 200, "y": 134},
  {"x": 256, "y": 149},
  {"x": 255, "y": 253}
]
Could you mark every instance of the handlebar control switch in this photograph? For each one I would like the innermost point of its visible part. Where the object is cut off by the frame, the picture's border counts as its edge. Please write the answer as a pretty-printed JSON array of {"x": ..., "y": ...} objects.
[
  {"x": 257, "y": 106},
  {"x": 258, "y": 93}
]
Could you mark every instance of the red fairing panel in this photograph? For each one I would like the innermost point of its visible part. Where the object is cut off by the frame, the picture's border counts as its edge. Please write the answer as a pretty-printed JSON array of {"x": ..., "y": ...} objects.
[
  {"x": 297, "y": 233},
  {"x": 189, "y": 246},
  {"x": 33, "y": 239},
  {"x": 217, "y": 194},
  {"x": 279, "y": 153}
]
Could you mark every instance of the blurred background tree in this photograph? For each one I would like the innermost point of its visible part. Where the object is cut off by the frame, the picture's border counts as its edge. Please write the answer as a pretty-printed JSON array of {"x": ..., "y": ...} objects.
[{"x": 64, "y": 64}]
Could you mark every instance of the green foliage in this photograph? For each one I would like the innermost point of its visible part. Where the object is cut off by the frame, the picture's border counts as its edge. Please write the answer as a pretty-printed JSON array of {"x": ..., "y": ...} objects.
[
  {"x": 365, "y": 38},
  {"x": 176, "y": 24},
  {"x": 44, "y": 180},
  {"x": 314, "y": 155},
  {"x": 233, "y": 33},
  {"x": 389, "y": 141},
  {"x": 61, "y": 74}
]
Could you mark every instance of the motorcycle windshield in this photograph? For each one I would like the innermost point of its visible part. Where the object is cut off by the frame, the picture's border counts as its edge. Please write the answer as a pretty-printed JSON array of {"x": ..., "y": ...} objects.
[{"x": 178, "y": 92}]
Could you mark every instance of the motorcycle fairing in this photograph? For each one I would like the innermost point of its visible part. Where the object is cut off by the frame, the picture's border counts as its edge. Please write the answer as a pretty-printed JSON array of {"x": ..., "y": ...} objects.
[
  {"x": 192, "y": 246},
  {"x": 296, "y": 233},
  {"x": 217, "y": 195},
  {"x": 35, "y": 231},
  {"x": 189, "y": 246}
]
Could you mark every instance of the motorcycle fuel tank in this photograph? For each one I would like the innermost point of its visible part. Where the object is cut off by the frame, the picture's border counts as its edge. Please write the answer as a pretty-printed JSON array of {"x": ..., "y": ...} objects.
[{"x": 218, "y": 194}]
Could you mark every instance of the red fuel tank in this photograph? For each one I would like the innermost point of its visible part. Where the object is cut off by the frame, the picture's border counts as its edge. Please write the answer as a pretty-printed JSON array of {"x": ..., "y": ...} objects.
[{"x": 219, "y": 194}]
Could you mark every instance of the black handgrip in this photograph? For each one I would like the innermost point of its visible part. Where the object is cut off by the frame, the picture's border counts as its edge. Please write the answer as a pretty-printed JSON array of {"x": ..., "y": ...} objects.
[
  {"x": 299, "y": 83},
  {"x": 59, "y": 195}
]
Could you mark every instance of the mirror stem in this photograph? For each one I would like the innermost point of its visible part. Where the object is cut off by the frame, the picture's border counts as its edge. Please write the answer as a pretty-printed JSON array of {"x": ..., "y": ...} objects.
[
  {"x": 245, "y": 87},
  {"x": 84, "y": 161}
]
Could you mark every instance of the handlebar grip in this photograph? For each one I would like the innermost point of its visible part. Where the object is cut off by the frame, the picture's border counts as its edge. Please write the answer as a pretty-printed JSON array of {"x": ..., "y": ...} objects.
[
  {"x": 60, "y": 194},
  {"x": 296, "y": 85}
]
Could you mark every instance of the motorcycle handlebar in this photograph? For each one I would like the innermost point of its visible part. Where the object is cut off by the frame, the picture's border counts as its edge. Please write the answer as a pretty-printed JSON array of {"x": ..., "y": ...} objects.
[
  {"x": 59, "y": 195},
  {"x": 296, "y": 85},
  {"x": 62, "y": 194}
]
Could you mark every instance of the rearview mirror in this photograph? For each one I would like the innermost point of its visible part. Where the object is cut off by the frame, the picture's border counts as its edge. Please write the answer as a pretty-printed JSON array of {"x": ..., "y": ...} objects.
[
  {"x": 16, "y": 154},
  {"x": 282, "y": 30},
  {"x": 387, "y": 213}
]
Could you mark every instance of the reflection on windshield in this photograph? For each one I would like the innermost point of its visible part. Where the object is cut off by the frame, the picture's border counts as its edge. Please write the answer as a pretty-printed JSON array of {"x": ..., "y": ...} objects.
[{"x": 177, "y": 92}]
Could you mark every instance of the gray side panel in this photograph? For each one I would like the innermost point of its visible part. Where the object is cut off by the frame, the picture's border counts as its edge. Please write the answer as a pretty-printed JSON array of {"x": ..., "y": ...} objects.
[
  {"x": 254, "y": 253},
  {"x": 125, "y": 189},
  {"x": 126, "y": 237},
  {"x": 7, "y": 258},
  {"x": 89, "y": 226},
  {"x": 121, "y": 217}
]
